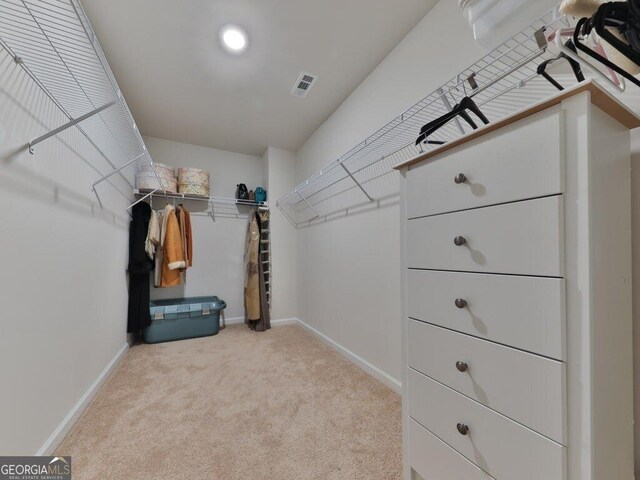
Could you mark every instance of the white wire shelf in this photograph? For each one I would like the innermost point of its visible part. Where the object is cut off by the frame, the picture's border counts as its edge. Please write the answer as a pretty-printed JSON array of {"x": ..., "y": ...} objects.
[
  {"x": 54, "y": 43},
  {"x": 506, "y": 81},
  {"x": 226, "y": 207}
]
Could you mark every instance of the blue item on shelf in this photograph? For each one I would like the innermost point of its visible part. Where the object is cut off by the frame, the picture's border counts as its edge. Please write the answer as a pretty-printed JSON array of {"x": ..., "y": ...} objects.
[{"x": 261, "y": 194}]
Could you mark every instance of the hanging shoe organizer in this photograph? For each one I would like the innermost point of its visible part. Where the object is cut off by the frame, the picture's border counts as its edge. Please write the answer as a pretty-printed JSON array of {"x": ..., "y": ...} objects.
[{"x": 265, "y": 253}]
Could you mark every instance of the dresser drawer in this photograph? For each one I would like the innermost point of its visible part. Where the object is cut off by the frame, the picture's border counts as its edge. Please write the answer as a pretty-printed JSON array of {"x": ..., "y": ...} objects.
[
  {"x": 524, "y": 387},
  {"x": 433, "y": 459},
  {"x": 499, "y": 446},
  {"x": 522, "y": 161},
  {"x": 524, "y": 312},
  {"x": 520, "y": 238}
]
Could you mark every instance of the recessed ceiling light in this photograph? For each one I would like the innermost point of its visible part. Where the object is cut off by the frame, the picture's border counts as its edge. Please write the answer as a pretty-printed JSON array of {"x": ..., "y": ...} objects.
[{"x": 234, "y": 39}]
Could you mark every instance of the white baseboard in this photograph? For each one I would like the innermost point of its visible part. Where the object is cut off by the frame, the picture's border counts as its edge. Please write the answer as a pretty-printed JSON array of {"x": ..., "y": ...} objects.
[
  {"x": 61, "y": 431},
  {"x": 234, "y": 320},
  {"x": 368, "y": 367},
  {"x": 281, "y": 321},
  {"x": 284, "y": 321}
]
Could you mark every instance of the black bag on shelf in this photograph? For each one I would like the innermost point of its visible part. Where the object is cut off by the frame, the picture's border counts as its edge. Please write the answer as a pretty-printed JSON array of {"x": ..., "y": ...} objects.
[{"x": 241, "y": 192}]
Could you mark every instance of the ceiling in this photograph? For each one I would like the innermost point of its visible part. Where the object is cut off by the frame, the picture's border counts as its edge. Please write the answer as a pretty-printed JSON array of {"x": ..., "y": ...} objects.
[{"x": 181, "y": 85}]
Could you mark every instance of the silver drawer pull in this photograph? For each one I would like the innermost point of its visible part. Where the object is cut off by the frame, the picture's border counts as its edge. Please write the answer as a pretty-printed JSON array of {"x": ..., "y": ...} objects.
[
  {"x": 463, "y": 429},
  {"x": 459, "y": 241},
  {"x": 460, "y": 178},
  {"x": 462, "y": 366},
  {"x": 460, "y": 303}
]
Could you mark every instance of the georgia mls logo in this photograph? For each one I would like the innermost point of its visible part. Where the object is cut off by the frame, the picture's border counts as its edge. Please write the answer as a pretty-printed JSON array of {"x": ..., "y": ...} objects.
[
  {"x": 61, "y": 462},
  {"x": 35, "y": 468}
]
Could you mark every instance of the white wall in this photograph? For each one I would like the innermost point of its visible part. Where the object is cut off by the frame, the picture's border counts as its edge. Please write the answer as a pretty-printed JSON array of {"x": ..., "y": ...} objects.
[
  {"x": 348, "y": 268},
  {"x": 63, "y": 290},
  {"x": 280, "y": 170},
  {"x": 218, "y": 246}
]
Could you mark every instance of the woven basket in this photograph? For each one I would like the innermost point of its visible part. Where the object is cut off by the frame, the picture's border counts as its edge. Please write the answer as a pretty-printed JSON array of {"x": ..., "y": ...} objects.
[
  {"x": 146, "y": 179},
  {"x": 194, "y": 181}
]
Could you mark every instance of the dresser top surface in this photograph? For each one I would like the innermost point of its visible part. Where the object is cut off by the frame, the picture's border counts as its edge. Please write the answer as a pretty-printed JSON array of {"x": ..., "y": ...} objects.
[{"x": 599, "y": 97}]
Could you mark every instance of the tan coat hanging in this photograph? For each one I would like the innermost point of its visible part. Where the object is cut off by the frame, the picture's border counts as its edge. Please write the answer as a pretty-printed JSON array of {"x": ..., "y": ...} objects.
[
  {"x": 173, "y": 258},
  {"x": 252, "y": 277}
]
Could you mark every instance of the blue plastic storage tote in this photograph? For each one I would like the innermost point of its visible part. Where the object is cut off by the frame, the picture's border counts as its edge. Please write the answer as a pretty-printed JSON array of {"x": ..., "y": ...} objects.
[{"x": 181, "y": 318}]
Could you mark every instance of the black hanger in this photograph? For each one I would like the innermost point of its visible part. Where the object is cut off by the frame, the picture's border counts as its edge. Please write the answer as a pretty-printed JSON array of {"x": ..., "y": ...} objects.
[
  {"x": 622, "y": 16},
  {"x": 611, "y": 14},
  {"x": 633, "y": 32},
  {"x": 575, "y": 66},
  {"x": 459, "y": 110}
]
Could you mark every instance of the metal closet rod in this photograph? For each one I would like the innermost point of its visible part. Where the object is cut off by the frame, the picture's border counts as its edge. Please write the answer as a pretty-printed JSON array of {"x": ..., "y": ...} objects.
[{"x": 69, "y": 124}]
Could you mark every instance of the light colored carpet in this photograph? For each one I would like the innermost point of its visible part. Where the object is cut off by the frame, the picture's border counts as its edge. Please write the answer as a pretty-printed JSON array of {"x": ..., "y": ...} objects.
[{"x": 241, "y": 405}]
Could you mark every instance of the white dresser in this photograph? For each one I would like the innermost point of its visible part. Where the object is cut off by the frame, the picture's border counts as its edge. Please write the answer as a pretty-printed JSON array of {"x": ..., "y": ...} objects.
[{"x": 517, "y": 331}]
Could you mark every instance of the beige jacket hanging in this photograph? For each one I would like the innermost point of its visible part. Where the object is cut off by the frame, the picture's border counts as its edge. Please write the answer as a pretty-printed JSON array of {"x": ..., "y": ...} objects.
[
  {"x": 162, "y": 223},
  {"x": 252, "y": 277},
  {"x": 153, "y": 235}
]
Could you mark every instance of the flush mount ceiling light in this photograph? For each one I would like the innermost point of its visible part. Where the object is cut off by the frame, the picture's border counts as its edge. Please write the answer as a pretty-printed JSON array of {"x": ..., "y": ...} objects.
[{"x": 234, "y": 39}]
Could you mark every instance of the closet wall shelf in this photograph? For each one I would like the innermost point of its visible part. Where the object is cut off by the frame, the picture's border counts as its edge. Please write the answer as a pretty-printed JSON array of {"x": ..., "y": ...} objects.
[
  {"x": 227, "y": 207},
  {"x": 53, "y": 42},
  {"x": 502, "y": 82}
]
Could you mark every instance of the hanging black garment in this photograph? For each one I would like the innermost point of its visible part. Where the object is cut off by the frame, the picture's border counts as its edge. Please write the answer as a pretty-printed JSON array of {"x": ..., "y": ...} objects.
[{"x": 139, "y": 267}]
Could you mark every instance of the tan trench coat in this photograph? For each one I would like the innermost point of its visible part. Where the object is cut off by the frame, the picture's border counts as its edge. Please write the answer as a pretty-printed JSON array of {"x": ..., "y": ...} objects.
[{"x": 252, "y": 272}]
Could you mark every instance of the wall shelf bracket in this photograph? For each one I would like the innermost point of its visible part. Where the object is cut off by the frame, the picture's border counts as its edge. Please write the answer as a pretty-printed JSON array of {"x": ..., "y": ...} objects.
[
  {"x": 310, "y": 206},
  {"x": 447, "y": 103},
  {"x": 357, "y": 183},
  {"x": 117, "y": 170},
  {"x": 69, "y": 124}
]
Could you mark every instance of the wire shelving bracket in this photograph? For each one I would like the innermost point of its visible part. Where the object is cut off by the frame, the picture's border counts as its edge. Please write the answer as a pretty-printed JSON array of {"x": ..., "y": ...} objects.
[
  {"x": 55, "y": 45},
  {"x": 502, "y": 82}
]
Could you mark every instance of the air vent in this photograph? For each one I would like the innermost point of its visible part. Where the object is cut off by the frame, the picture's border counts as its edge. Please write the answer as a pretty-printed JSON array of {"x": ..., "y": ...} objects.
[{"x": 303, "y": 84}]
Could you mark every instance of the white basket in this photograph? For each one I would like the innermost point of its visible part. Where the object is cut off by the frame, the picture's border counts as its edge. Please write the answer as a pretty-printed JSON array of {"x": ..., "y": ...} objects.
[
  {"x": 149, "y": 182},
  {"x": 147, "y": 178},
  {"x": 164, "y": 171}
]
